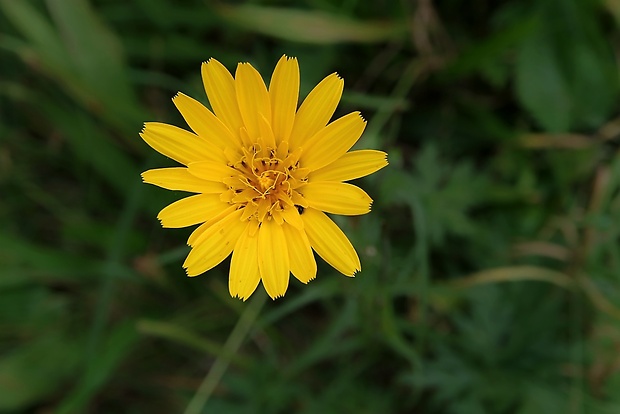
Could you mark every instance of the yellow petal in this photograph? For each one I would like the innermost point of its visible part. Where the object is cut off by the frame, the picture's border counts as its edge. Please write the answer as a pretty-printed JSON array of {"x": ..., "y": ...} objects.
[
  {"x": 303, "y": 265},
  {"x": 282, "y": 150},
  {"x": 291, "y": 216},
  {"x": 204, "y": 123},
  {"x": 317, "y": 109},
  {"x": 266, "y": 133},
  {"x": 179, "y": 178},
  {"x": 330, "y": 242},
  {"x": 276, "y": 215},
  {"x": 252, "y": 97},
  {"x": 220, "y": 87},
  {"x": 336, "y": 197},
  {"x": 176, "y": 143},
  {"x": 284, "y": 92},
  {"x": 352, "y": 165},
  {"x": 244, "y": 275},
  {"x": 191, "y": 210},
  {"x": 211, "y": 171},
  {"x": 273, "y": 259},
  {"x": 216, "y": 245},
  {"x": 298, "y": 199},
  {"x": 197, "y": 235},
  {"x": 331, "y": 142}
]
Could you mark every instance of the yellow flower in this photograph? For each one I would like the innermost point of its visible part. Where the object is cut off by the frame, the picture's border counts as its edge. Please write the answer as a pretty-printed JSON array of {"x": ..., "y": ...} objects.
[{"x": 264, "y": 173}]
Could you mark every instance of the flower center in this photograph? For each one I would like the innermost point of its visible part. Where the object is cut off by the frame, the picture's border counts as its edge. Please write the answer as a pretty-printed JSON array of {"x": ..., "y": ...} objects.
[
  {"x": 264, "y": 182},
  {"x": 267, "y": 180}
]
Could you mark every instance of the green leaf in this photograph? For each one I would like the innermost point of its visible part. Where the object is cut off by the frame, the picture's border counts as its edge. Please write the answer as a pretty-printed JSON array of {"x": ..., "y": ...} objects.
[
  {"x": 96, "y": 56},
  {"x": 24, "y": 261},
  {"x": 31, "y": 311},
  {"x": 566, "y": 76},
  {"x": 443, "y": 193},
  {"x": 35, "y": 370},
  {"x": 38, "y": 30},
  {"x": 91, "y": 146},
  {"x": 541, "y": 85},
  {"x": 309, "y": 26},
  {"x": 487, "y": 54},
  {"x": 101, "y": 367},
  {"x": 594, "y": 84},
  {"x": 81, "y": 53}
]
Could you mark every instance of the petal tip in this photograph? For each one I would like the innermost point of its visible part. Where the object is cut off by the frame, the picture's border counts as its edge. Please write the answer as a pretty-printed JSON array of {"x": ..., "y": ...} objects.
[
  {"x": 288, "y": 58},
  {"x": 178, "y": 95},
  {"x": 189, "y": 271},
  {"x": 238, "y": 296},
  {"x": 305, "y": 282}
]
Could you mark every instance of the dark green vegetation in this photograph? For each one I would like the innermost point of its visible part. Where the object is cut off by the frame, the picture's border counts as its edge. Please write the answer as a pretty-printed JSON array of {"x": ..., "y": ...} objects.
[{"x": 491, "y": 260}]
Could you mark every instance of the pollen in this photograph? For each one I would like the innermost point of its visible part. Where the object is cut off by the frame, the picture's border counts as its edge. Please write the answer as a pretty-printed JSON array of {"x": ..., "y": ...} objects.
[
  {"x": 263, "y": 184},
  {"x": 266, "y": 181}
]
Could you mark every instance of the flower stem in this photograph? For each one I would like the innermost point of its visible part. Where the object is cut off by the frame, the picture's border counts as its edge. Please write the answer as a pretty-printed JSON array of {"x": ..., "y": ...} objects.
[{"x": 232, "y": 345}]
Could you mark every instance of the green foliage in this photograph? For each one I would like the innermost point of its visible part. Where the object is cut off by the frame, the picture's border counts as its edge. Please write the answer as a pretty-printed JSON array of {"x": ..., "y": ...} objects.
[
  {"x": 566, "y": 87},
  {"x": 490, "y": 260}
]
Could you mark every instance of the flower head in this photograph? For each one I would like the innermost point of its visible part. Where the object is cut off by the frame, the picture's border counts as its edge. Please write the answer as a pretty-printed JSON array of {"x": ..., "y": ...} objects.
[{"x": 264, "y": 172}]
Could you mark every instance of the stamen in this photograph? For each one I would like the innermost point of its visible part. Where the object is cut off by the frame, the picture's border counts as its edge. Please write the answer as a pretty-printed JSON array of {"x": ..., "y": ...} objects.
[{"x": 265, "y": 181}]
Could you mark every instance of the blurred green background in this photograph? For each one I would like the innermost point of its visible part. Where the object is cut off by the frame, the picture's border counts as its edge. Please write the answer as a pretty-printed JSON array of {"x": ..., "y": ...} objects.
[{"x": 491, "y": 260}]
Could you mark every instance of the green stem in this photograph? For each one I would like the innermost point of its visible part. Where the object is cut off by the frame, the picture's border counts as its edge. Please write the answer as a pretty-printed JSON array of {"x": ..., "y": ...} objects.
[{"x": 232, "y": 345}]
